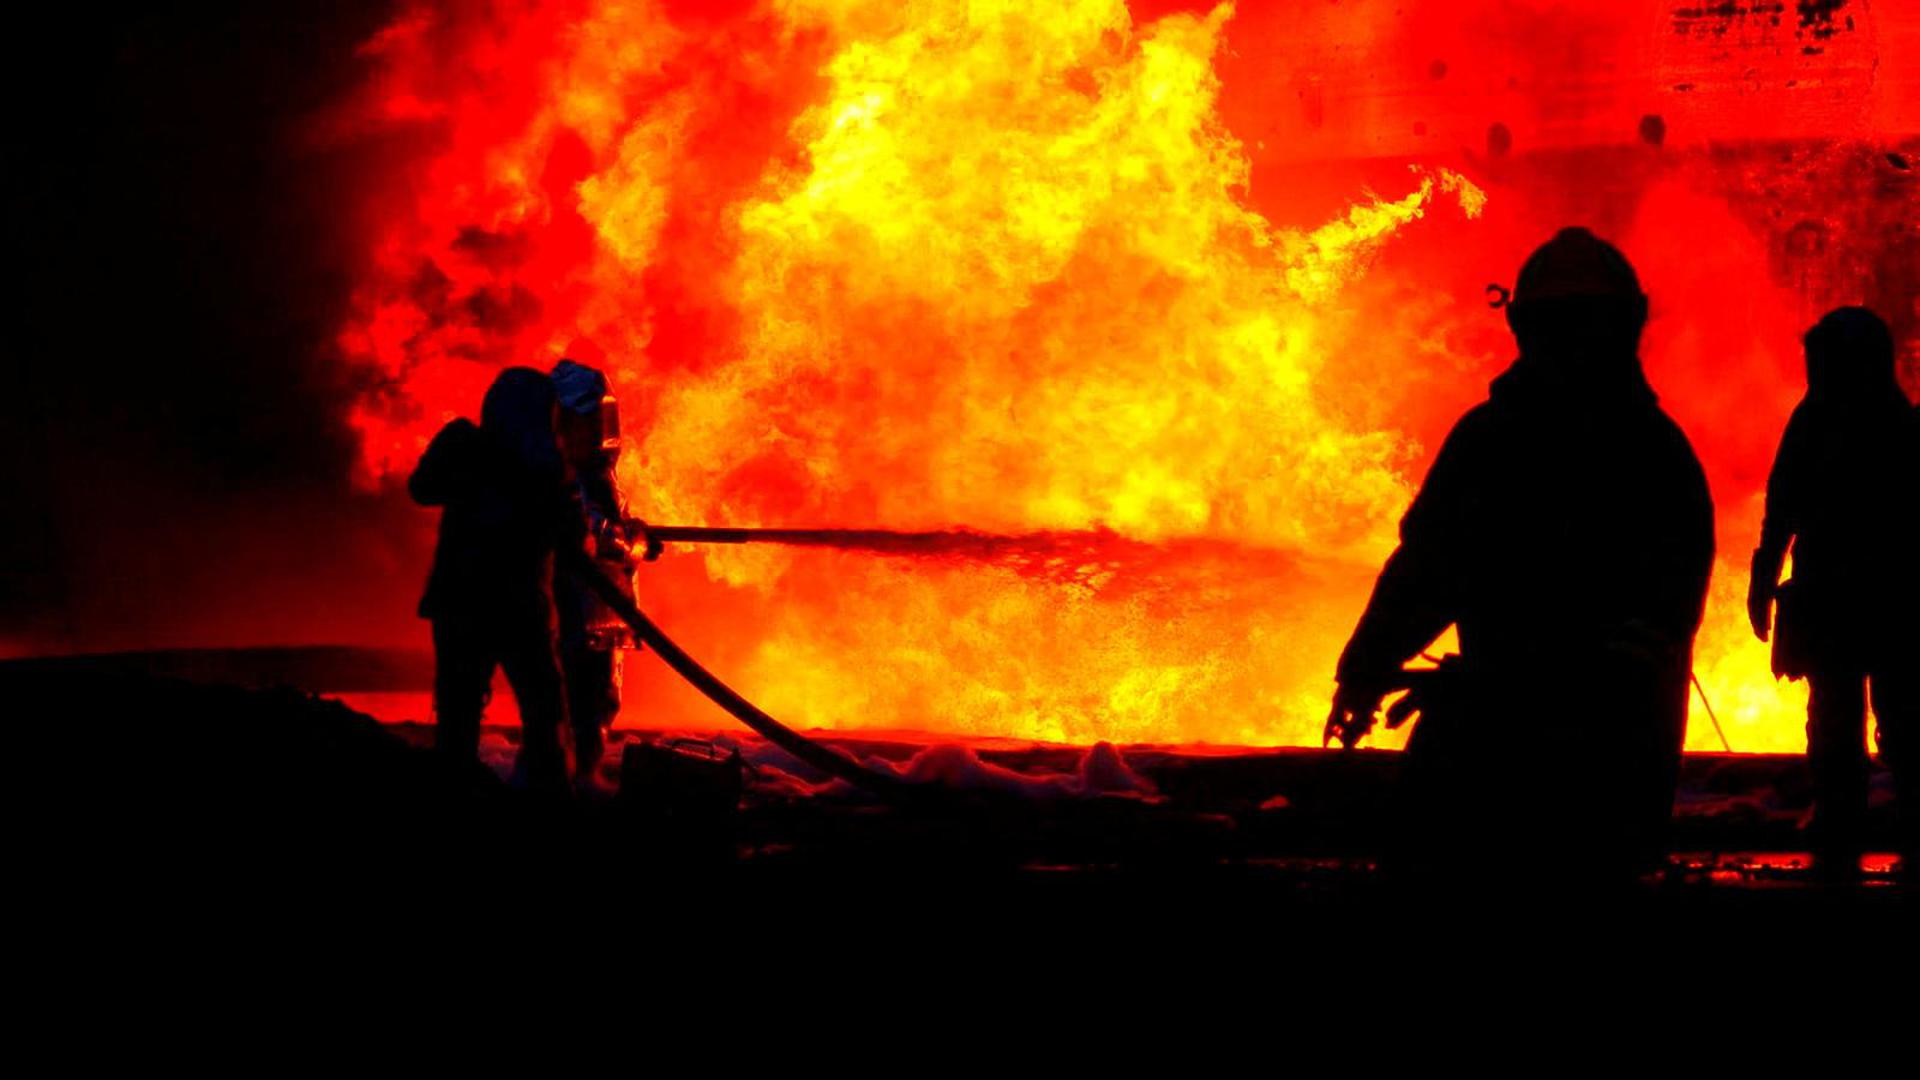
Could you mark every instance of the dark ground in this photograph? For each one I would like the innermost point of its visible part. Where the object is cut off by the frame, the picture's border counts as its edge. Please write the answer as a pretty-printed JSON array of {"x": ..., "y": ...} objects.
[{"x": 221, "y": 804}]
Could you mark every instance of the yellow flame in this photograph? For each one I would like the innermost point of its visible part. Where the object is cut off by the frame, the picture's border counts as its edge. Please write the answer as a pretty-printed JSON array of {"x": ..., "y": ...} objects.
[{"x": 1016, "y": 286}]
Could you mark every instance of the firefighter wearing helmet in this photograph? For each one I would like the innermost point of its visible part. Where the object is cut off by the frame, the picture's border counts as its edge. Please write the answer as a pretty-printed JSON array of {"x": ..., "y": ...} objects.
[
  {"x": 1842, "y": 497},
  {"x": 507, "y": 510},
  {"x": 591, "y": 634},
  {"x": 1565, "y": 531}
]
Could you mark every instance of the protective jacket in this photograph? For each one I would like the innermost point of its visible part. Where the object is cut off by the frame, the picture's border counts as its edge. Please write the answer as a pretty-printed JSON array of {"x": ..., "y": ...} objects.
[
  {"x": 508, "y": 507},
  {"x": 508, "y": 504},
  {"x": 1566, "y": 530},
  {"x": 1844, "y": 495}
]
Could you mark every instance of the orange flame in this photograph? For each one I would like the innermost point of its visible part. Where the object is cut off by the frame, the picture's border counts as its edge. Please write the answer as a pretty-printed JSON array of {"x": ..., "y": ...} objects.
[{"x": 986, "y": 264}]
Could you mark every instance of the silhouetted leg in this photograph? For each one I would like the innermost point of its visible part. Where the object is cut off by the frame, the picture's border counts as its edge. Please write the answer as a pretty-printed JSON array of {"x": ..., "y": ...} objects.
[
  {"x": 463, "y": 663},
  {"x": 1896, "y": 709},
  {"x": 1438, "y": 842},
  {"x": 592, "y": 700},
  {"x": 533, "y": 670},
  {"x": 1629, "y": 810},
  {"x": 1837, "y": 757},
  {"x": 573, "y": 608}
]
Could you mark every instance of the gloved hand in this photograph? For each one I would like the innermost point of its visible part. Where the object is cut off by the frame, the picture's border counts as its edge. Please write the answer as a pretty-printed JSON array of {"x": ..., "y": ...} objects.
[
  {"x": 1354, "y": 709},
  {"x": 608, "y": 546},
  {"x": 638, "y": 535}
]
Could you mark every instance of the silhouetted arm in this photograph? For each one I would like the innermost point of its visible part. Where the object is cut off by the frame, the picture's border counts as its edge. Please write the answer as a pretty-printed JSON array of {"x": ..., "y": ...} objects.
[
  {"x": 611, "y": 528},
  {"x": 1416, "y": 596},
  {"x": 1680, "y": 564},
  {"x": 1786, "y": 494},
  {"x": 1786, "y": 501}
]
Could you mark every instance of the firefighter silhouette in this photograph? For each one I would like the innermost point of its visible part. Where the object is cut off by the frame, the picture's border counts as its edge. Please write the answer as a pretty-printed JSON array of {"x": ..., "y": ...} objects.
[
  {"x": 507, "y": 505},
  {"x": 1843, "y": 497},
  {"x": 1566, "y": 531},
  {"x": 591, "y": 634}
]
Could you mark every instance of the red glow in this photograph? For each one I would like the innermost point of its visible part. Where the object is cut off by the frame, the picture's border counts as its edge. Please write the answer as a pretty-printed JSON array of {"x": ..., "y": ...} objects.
[{"x": 1078, "y": 267}]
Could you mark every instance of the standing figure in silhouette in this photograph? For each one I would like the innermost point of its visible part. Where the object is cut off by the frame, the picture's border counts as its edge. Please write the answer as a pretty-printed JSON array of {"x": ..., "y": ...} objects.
[
  {"x": 1566, "y": 531},
  {"x": 1844, "y": 495},
  {"x": 508, "y": 504},
  {"x": 591, "y": 634}
]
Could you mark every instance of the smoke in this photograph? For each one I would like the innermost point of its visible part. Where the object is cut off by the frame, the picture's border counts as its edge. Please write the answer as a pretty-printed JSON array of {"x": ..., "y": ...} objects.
[{"x": 179, "y": 467}]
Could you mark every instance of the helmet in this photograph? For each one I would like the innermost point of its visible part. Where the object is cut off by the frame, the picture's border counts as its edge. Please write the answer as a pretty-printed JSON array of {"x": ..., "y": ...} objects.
[
  {"x": 579, "y": 387},
  {"x": 583, "y": 391},
  {"x": 518, "y": 410},
  {"x": 1850, "y": 354},
  {"x": 1576, "y": 263},
  {"x": 1577, "y": 296}
]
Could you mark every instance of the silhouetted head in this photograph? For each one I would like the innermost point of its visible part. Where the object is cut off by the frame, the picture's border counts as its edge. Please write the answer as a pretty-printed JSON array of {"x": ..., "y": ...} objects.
[
  {"x": 589, "y": 415},
  {"x": 1850, "y": 357},
  {"x": 519, "y": 412},
  {"x": 1578, "y": 303}
]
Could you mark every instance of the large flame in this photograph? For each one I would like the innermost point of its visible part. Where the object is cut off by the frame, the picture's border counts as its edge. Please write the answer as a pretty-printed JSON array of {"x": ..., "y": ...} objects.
[{"x": 933, "y": 264}]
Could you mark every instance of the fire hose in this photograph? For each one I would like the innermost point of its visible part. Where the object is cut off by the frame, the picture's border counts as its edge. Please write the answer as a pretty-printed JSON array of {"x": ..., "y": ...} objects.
[
  {"x": 825, "y": 758},
  {"x": 960, "y": 542},
  {"x": 847, "y": 538}
]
